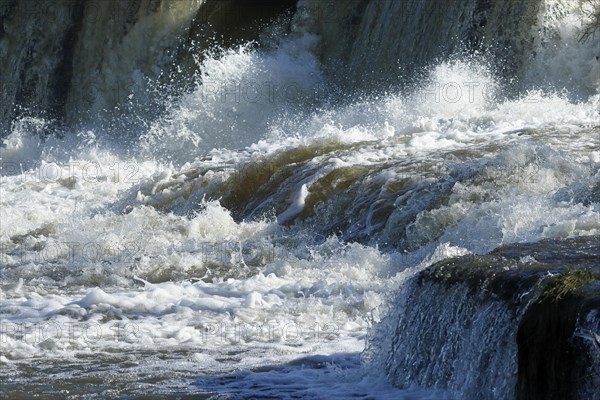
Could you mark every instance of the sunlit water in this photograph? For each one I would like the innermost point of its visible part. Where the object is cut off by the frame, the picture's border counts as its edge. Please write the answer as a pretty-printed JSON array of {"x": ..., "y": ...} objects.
[{"x": 245, "y": 242}]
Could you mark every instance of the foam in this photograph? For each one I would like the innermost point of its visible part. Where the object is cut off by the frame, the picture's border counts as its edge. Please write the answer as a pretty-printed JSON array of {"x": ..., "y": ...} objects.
[{"x": 160, "y": 260}]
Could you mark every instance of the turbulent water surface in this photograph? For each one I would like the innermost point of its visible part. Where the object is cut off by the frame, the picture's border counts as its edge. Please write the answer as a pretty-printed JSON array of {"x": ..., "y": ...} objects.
[{"x": 243, "y": 232}]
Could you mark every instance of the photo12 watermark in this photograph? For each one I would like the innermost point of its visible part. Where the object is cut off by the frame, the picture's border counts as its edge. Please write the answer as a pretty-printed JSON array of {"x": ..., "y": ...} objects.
[
  {"x": 50, "y": 251},
  {"x": 259, "y": 92},
  {"x": 127, "y": 171},
  {"x": 35, "y": 333},
  {"x": 287, "y": 332},
  {"x": 208, "y": 333}
]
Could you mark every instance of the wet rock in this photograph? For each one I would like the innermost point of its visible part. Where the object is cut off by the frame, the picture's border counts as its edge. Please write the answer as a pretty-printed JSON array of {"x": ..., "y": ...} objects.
[{"x": 520, "y": 322}]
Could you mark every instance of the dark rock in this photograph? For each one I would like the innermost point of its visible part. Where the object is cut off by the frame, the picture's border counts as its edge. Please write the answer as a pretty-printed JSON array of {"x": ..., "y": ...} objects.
[{"x": 520, "y": 322}]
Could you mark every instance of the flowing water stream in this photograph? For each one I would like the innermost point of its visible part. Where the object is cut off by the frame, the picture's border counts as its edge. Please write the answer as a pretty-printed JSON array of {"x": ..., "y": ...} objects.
[{"x": 242, "y": 229}]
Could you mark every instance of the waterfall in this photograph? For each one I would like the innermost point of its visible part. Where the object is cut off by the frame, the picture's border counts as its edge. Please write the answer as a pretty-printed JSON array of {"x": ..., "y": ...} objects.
[
  {"x": 74, "y": 61},
  {"x": 488, "y": 327},
  {"x": 300, "y": 198},
  {"x": 382, "y": 43}
]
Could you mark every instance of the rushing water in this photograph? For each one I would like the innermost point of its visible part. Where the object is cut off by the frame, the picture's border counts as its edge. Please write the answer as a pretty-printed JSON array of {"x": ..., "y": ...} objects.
[{"x": 244, "y": 235}]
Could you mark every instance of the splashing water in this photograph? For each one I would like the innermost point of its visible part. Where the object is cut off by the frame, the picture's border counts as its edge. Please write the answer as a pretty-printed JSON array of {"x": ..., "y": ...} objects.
[{"x": 256, "y": 229}]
